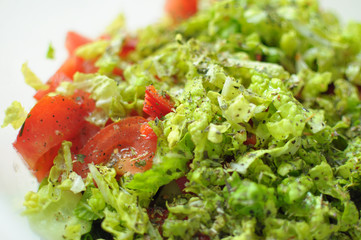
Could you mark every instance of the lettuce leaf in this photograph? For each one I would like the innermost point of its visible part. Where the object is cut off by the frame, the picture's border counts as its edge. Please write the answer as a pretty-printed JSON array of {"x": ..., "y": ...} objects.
[
  {"x": 15, "y": 115},
  {"x": 50, "y": 209},
  {"x": 52, "y": 217},
  {"x": 93, "y": 50},
  {"x": 265, "y": 131},
  {"x": 31, "y": 79}
]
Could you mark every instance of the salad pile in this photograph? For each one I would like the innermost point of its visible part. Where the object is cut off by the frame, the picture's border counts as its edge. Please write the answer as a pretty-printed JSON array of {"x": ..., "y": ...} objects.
[{"x": 240, "y": 122}]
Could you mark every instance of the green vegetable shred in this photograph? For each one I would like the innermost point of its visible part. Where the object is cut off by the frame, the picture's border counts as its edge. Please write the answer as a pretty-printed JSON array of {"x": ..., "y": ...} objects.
[{"x": 265, "y": 130}]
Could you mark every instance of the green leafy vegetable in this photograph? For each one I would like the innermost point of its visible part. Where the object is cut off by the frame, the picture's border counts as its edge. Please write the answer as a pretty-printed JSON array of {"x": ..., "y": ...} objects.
[
  {"x": 50, "y": 210},
  {"x": 50, "y": 54},
  {"x": 15, "y": 115},
  {"x": 265, "y": 132},
  {"x": 31, "y": 79}
]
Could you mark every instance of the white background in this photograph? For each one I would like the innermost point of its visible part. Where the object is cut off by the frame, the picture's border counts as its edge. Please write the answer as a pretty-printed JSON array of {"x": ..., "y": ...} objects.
[{"x": 26, "y": 29}]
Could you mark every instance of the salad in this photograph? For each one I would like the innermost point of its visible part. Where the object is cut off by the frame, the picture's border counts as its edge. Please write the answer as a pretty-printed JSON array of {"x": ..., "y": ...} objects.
[{"x": 240, "y": 122}]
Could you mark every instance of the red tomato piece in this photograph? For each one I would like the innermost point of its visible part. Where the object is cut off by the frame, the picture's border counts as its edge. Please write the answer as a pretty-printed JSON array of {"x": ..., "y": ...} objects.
[
  {"x": 181, "y": 9},
  {"x": 202, "y": 236},
  {"x": 157, "y": 216},
  {"x": 45, "y": 162},
  {"x": 147, "y": 132},
  {"x": 86, "y": 132},
  {"x": 181, "y": 182},
  {"x": 119, "y": 72},
  {"x": 251, "y": 139},
  {"x": 129, "y": 46},
  {"x": 83, "y": 98},
  {"x": 75, "y": 64},
  {"x": 118, "y": 145},
  {"x": 70, "y": 66},
  {"x": 53, "y": 83},
  {"x": 155, "y": 104},
  {"x": 86, "y": 66},
  {"x": 51, "y": 121},
  {"x": 65, "y": 73},
  {"x": 74, "y": 40}
]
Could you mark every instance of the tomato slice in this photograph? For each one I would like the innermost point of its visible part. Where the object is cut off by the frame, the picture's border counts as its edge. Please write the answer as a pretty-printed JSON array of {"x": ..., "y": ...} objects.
[
  {"x": 86, "y": 132},
  {"x": 53, "y": 83},
  {"x": 75, "y": 64},
  {"x": 129, "y": 46},
  {"x": 74, "y": 40},
  {"x": 147, "y": 132},
  {"x": 65, "y": 73},
  {"x": 51, "y": 121},
  {"x": 156, "y": 104},
  {"x": 251, "y": 139},
  {"x": 157, "y": 216},
  {"x": 45, "y": 162},
  {"x": 83, "y": 98},
  {"x": 119, "y": 145},
  {"x": 181, "y": 9},
  {"x": 70, "y": 66}
]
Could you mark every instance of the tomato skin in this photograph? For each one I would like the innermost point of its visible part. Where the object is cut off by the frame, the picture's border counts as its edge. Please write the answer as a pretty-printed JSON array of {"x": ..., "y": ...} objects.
[
  {"x": 181, "y": 182},
  {"x": 65, "y": 73},
  {"x": 83, "y": 98},
  {"x": 51, "y": 121},
  {"x": 70, "y": 66},
  {"x": 53, "y": 83},
  {"x": 119, "y": 145},
  {"x": 181, "y": 9},
  {"x": 157, "y": 216},
  {"x": 147, "y": 132},
  {"x": 119, "y": 72},
  {"x": 45, "y": 162},
  {"x": 202, "y": 236},
  {"x": 251, "y": 139},
  {"x": 75, "y": 64},
  {"x": 155, "y": 104},
  {"x": 86, "y": 132},
  {"x": 74, "y": 40},
  {"x": 129, "y": 46}
]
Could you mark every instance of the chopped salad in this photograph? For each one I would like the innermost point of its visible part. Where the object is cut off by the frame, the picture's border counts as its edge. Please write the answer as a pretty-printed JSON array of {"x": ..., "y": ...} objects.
[{"x": 234, "y": 119}]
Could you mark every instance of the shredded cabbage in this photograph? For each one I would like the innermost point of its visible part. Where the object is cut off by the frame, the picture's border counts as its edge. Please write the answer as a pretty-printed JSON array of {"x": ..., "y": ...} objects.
[{"x": 284, "y": 72}]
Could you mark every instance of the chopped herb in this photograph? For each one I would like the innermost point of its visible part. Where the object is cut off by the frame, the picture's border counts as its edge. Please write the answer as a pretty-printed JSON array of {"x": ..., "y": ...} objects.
[{"x": 50, "y": 54}]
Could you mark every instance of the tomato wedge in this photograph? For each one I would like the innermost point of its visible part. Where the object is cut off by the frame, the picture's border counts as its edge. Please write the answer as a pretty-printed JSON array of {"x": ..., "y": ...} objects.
[
  {"x": 119, "y": 145},
  {"x": 74, "y": 40},
  {"x": 65, "y": 74},
  {"x": 86, "y": 132},
  {"x": 157, "y": 216},
  {"x": 51, "y": 121},
  {"x": 70, "y": 66},
  {"x": 251, "y": 139},
  {"x": 53, "y": 83},
  {"x": 156, "y": 104},
  {"x": 147, "y": 132},
  {"x": 129, "y": 46},
  {"x": 181, "y": 9}
]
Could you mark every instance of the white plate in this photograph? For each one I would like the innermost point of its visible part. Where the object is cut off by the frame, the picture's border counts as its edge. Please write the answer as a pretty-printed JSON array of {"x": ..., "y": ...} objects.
[{"x": 27, "y": 28}]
